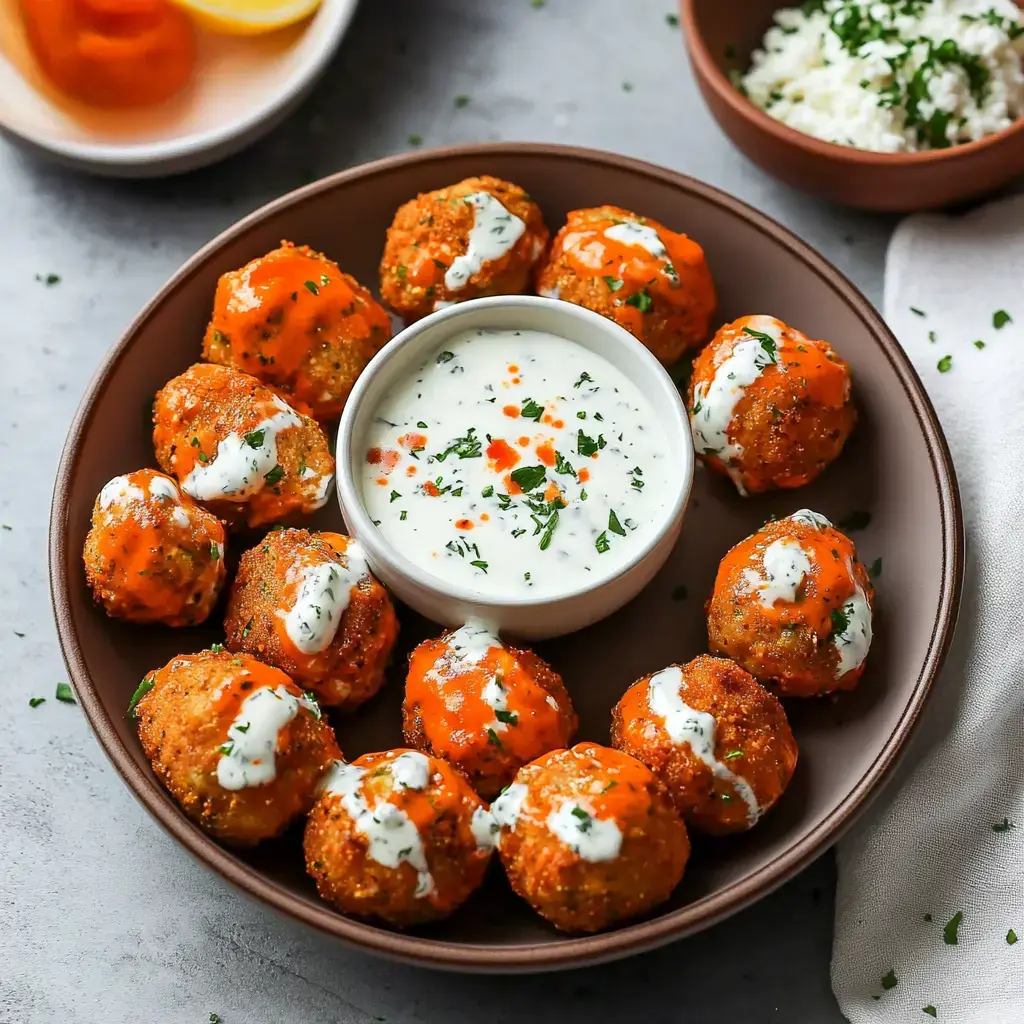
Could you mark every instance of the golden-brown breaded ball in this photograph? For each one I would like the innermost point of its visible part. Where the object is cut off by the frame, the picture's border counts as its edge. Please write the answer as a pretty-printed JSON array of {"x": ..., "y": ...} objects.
[
  {"x": 589, "y": 837},
  {"x": 294, "y": 320},
  {"x": 481, "y": 236},
  {"x": 484, "y": 706},
  {"x": 235, "y": 742},
  {"x": 153, "y": 554},
  {"x": 792, "y": 604},
  {"x": 768, "y": 405},
  {"x": 398, "y": 836},
  {"x": 716, "y": 738},
  {"x": 635, "y": 271},
  {"x": 308, "y": 603},
  {"x": 236, "y": 446}
]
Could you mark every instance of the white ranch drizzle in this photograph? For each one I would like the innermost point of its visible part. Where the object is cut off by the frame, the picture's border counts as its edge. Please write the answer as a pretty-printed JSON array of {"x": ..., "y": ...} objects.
[
  {"x": 120, "y": 491},
  {"x": 164, "y": 487},
  {"x": 585, "y": 473},
  {"x": 392, "y": 836},
  {"x": 785, "y": 565},
  {"x": 495, "y": 230},
  {"x": 180, "y": 516},
  {"x": 696, "y": 729},
  {"x": 629, "y": 232},
  {"x": 411, "y": 770},
  {"x": 592, "y": 838},
  {"x": 322, "y": 599},
  {"x": 854, "y": 640},
  {"x": 239, "y": 467},
  {"x": 809, "y": 518},
  {"x": 247, "y": 758},
  {"x": 714, "y": 405},
  {"x": 485, "y": 829},
  {"x": 509, "y": 805},
  {"x": 471, "y": 642}
]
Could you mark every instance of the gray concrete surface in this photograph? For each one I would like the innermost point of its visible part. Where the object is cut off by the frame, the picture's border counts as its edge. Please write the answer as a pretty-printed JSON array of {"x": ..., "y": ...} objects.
[{"x": 102, "y": 916}]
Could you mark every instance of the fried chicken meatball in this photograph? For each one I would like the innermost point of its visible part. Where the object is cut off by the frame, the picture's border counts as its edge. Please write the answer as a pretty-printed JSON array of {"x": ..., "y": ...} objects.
[
  {"x": 716, "y": 738},
  {"x": 635, "y": 271},
  {"x": 294, "y": 320},
  {"x": 235, "y": 742},
  {"x": 484, "y": 706},
  {"x": 589, "y": 837},
  {"x": 481, "y": 236},
  {"x": 308, "y": 603},
  {"x": 238, "y": 447},
  {"x": 153, "y": 554},
  {"x": 792, "y": 604},
  {"x": 398, "y": 836},
  {"x": 768, "y": 405}
]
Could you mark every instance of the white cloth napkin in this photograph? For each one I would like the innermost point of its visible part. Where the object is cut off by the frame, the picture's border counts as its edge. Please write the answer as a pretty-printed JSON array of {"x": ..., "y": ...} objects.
[{"x": 929, "y": 846}]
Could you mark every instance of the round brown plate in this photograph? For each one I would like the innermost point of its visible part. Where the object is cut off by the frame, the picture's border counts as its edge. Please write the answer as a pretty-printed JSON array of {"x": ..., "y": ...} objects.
[{"x": 896, "y": 467}]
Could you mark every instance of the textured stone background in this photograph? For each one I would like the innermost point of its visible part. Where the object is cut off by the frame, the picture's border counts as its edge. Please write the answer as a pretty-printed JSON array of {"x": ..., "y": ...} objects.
[{"x": 102, "y": 917}]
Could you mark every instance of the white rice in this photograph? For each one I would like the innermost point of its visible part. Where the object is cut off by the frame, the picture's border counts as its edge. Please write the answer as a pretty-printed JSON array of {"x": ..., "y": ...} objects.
[{"x": 893, "y": 76}]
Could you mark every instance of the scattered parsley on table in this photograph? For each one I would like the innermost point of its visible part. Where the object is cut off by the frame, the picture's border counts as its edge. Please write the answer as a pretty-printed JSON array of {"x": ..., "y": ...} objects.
[
  {"x": 64, "y": 693},
  {"x": 951, "y": 931}
]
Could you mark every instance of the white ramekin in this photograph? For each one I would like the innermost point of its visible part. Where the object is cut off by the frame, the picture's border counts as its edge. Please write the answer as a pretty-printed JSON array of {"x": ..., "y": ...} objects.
[{"x": 452, "y": 605}]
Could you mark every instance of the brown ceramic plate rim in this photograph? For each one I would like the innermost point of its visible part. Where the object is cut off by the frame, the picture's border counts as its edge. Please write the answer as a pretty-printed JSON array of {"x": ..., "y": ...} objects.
[
  {"x": 572, "y": 951},
  {"x": 710, "y": 72}
]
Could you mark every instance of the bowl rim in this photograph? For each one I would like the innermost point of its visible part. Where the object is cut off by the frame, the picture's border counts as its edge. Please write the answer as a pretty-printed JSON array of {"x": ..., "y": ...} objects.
[
  {"x": 575, "y": 950},
  {"x": 126, "y": 155},
  {"x": 709, "y": 73},
  {"x": 349, "y": 492}
]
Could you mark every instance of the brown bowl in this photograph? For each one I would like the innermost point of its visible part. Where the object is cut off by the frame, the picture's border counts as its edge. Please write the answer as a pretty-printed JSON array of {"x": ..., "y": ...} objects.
[
  {"x": 720, "y": 38},
  {"x": 896, "y": 466}
]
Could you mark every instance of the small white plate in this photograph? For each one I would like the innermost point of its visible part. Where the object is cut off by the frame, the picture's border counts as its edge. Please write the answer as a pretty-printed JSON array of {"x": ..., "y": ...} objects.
[{"x": 242, "y": 87}]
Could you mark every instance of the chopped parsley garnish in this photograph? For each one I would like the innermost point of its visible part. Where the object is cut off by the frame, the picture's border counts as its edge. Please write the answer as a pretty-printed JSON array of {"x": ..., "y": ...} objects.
[
  {"x": 979, "y": 345},
  {"x": 528, "y": 477},
  {"x": 215, "y": 1018},
  {"x": 462, "y": 101},
  {"x": 254, "y": 439},
  {"x": 951, "y": 929},
  {"x": 932, "y": 336},
  {"x": 444, "y": 357},
  {"x": 601, "y": 543},
  {"x": 917, "y": 312},
  {"x": 584, "y": 378},
  {"x": 642, "y": 301},
  {"x": 672, "y": 20},
  {"x": 532, "y": 411},
  {"x": 586, "y": 822},
  {"x": 840, "y": 621},
  {"x": 856, "y": 520},
  {"x": 680, "y": 592},
  {"x": 768, "y": 344},
  {"x": 487, "y": 491},
  {"x": 64, "y": 694},
  {"x": 275, "y": 476},
  {"x": 1000, "y": 318},
  {"x": 890, "y": 980},
  {"x": 1003, "y": 826},
  {"x": 614, "y": 525},
  {"x": 394, "y": 497},
  {"x": 614, "y": 283},
  {"x": 246, "y": 629},
  {"x": 563, "y": 465},
  {"x": 311, "y": 285},
  {"x": 403, "y": 515},
  {"x": 468, "y": 447},
  {"x": 1011, "y": 938},
  {"x": 587, "y": 446},
  {"x": 945, "y": 364},
  {"x": 506, "y": 717},
  {"x": 517, "y": 533},
  {"x": 415, "y": 139},
  {"x": 733, "y": 754},
  {"x": 549, "y": 529},
  {"x": 930, "y": 1010},
  {"x": 480, "y": 565},
  {"x": 421, "y": 425},
  {"x": 34, "y": 702},
  {"x": 214, "y": 549},
  {"x": 494, "y": 740}
]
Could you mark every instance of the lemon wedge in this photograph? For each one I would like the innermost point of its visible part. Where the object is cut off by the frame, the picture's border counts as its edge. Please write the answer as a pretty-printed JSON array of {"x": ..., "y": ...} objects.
[{"x": 247, "y": 17}]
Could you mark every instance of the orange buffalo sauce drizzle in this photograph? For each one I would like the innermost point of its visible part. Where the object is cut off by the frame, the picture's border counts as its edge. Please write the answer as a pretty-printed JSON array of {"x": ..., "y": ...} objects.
[
  {"x": 275, "y": 307},
  {"x": 251, "y": 675},
  {"x": 615, "y": 786},
  {"x": 111, "y": 53},
  {"x": 455, "y": 715},
  {"x": 829, "y": 584},
  {"x": 583, "y": 245}
]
